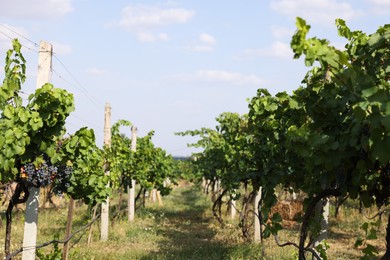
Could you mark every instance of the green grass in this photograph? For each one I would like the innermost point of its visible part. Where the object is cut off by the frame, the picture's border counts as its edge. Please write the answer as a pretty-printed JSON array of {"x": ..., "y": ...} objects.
[{"x": 183, "y": 228}]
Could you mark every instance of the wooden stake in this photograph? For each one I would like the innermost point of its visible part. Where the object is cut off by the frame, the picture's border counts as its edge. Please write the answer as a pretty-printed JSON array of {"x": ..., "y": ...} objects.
[
  {"x": 68, "y": 230},
  {"x": 105, "y": 205},
  {"x": 31, "y": 215},
  {"x": 89, "y": 240}
]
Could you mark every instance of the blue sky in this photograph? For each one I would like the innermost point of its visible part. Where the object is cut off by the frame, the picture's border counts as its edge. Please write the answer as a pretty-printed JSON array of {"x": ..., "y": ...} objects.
[{"x": 172, "y": 66}]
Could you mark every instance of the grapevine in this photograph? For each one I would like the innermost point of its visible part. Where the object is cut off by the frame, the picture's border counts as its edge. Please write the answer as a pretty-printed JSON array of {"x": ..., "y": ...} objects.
[
  {"x": 34, "y": 151},
  {"x": 330, "y": 137}
]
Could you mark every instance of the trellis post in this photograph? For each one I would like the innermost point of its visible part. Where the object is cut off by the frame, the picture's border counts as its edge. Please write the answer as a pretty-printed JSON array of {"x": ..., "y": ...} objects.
[
  {"x": 106, "y": 204},
  {"x": 131, "y": 191},
  {"x": 32, "y": 204}
]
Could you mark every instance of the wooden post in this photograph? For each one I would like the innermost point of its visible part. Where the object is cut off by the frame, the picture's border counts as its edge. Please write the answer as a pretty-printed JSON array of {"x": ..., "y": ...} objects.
[
  {"x": 44, "y": 64},
  {"x": 233, "y": 210},
  {"x": 217, "y": 186},
  {"x": 105, "y": 205},
  {"x": 153, "y": 195},
  {"x": 131, "y": 201},
  {"x": 131, "y": 191},
  {"x": 215, "y": 190},
  {"x": 31, "y": 215},
  {"x": 159, "y": 199},
  {"x": 322, "y": 214},
  {"x": 167, "y": 182},
  {"x": 205, "y": 190},
  {"x": 68, "y": 229},
  {"x": 257, "y": 234}
]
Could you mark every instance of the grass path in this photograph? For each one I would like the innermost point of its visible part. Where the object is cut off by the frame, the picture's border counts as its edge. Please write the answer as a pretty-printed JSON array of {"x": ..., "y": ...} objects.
[
  {"x": 182, "y": 229},
  {"x": 185, "y": 229}
]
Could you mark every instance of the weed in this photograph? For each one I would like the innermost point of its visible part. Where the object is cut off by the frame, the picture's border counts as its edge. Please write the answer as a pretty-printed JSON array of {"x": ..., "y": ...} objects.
[{"x": 184, "y": 228}]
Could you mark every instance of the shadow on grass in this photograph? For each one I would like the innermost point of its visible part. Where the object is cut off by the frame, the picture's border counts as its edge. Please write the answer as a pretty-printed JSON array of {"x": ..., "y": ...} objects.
[
  {"x": 338, "y": 234},
  {"x": 186, "y": 229}
]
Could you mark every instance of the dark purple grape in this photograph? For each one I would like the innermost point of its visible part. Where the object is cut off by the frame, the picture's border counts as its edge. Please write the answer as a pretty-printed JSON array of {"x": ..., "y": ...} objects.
[{"x": 47, "y": 173}]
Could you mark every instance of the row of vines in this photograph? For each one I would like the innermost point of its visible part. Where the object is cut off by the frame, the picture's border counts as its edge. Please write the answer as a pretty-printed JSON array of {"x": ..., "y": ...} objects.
[
  {"x": 330, "y": 138},
  {"x": 38, "y": 153}
]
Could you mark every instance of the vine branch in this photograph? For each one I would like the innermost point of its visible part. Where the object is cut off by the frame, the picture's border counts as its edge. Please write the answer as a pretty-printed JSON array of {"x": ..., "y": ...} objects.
[{"x": 55, "y": 241}]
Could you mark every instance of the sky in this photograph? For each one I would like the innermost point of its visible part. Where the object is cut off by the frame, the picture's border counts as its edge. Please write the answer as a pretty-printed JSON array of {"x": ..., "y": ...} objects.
[{"x": 171, "y": 66}]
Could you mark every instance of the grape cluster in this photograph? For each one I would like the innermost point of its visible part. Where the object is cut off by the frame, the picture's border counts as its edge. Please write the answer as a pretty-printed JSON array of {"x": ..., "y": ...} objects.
[
  {"x": 46, "y": 174},
  {"x": 62, "y": 179},
  {"x": 39, "y": 176}
]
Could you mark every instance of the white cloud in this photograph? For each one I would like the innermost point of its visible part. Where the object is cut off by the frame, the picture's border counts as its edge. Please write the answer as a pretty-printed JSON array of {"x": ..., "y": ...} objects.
[
  {"x": 150, "y": 37},
  {"x": 380, "y": 2},
  {"x": 319, "y": 11},
  {"x": 37, "y": 9},
  {"x": 146, "y": 37},
  {"x": 143, "y": 16},
  {"x": 279, "y": 32},
  {"x": 206, "y": 43},
  {"x": 203, "y": 48},
  {"x": 221, "y": 77},
  {"x": 95, "y": 71},
  {"x": 144, "y": 20},
  {"x": 61, "y": 49},
  {"x": 207, "y": 39},
  {"x": 9, "y": 32},
  {"x": 277, "y": 49},
  {"x": 380, "y": 6},
  {"x": 163, "y": 37},
  {"x": 189, "y": 107}
]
